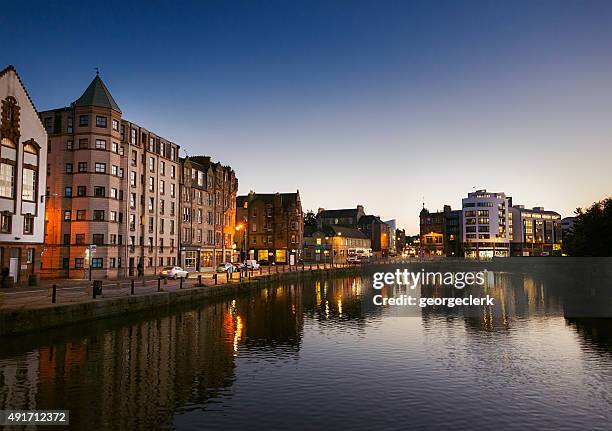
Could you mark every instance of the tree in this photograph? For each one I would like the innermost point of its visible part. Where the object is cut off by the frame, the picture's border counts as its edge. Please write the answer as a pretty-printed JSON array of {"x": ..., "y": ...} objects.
[
  {"x": 310, "y": 219},
  {"x": 592, "y": 232}
]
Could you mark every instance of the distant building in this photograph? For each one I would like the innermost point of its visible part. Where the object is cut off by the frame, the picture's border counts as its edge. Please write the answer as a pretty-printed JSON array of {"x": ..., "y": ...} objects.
[
  {"x": 23, "y": 176},
  {"x": 453, "y": 232},
  {"x": 334, "y": 244},
  {"x": 535, "y": 232},
  {"x": 274, "y": 226},
  {"x": 486, "y": 225},
  {"x": 342, "y": 217},
  {"x": 392, "y": 245},
  {"x": 208, "y": 213},
  {"x": 432, "y": 228},
  {"x": 400, "y": 240},
  {"x": 378, "y": 232}
]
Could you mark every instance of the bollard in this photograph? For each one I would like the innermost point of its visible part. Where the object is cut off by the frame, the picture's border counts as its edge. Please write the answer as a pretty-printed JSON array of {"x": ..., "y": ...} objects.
[
  {"x": 54, "y": 294},
  {"x": 131, "y": 286},
  {"x": 159, "y": 284},
  {"x": 216, "y": 278},
  {"x": 181, "y": 283},
  {"x": 200, "y": 280}
]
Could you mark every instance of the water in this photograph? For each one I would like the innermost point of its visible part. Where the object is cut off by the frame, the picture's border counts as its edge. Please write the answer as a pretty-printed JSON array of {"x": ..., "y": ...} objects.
[{"x": 312, "y": 356}]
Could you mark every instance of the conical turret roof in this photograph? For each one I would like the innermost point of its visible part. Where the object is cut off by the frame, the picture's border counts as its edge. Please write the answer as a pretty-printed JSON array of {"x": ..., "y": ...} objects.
[{"x": 97, "y": 95}]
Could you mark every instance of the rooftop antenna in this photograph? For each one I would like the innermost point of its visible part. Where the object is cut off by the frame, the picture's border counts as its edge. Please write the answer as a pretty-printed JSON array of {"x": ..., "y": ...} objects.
[{"x": 97, "y": 71}]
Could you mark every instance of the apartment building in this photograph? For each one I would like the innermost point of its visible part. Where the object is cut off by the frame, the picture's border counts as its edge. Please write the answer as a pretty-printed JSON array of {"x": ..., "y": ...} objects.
[
  {"x": 535, "y": 232},
  {"x": 335, "y": 244},
  {"x": 23, "y": 175},
  {"x": 274, "y": 225},
  {"x": 112, "y": 192},
  {"x": 486, "y": 221},
  {"x": 208, "y": 213}
]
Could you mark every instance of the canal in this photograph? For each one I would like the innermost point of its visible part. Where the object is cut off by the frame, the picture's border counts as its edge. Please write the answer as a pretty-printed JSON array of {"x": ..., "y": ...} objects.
[{"x": 316, "y": 354}]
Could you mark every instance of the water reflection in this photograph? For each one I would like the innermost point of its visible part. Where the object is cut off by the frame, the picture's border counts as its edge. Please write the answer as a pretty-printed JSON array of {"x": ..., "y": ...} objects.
[{"x": 219, "y": 364}]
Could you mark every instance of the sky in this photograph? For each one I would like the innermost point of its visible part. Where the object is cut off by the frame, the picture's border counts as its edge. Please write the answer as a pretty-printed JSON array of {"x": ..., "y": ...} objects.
[{"x": 387, "y": 104}]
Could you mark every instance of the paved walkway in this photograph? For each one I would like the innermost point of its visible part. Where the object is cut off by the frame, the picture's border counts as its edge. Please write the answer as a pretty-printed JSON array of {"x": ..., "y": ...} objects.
[{"x": 72, "y": 291}]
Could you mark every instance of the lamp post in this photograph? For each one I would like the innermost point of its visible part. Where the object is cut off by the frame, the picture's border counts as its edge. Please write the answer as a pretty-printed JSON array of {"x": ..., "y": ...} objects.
[{"x": 244, "y": 226}]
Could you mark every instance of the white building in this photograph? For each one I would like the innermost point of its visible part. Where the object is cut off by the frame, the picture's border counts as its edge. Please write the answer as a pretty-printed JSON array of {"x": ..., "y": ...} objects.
[
  {"x": 23, "y": 173},
  {"x": 535, "y": 231},
  {"x": 486, "y": 221},
  {"x": 392, "y": 227}
]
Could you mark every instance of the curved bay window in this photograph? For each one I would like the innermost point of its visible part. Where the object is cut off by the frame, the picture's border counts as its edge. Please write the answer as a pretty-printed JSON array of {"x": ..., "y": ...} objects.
[
  {"x": 8, "y": 159},
  {"x": 29, "y": 183}
]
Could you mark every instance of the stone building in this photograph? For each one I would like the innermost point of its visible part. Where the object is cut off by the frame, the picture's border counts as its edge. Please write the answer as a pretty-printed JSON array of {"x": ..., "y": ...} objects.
[
  {"x": 112, "y": 192},
  {"x": 23, "y": 176},
  {"x": 274, "y": 226},
  {"x": 334, "y": 244},
  {"x": 208, "y": 213},
  {"x": 378, "y": 232}
]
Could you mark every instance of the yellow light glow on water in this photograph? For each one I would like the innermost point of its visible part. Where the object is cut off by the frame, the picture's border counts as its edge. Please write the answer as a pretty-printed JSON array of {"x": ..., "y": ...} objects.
[
  {"x": 237, "y": 334},
  {"x": 340, "y": 306}
]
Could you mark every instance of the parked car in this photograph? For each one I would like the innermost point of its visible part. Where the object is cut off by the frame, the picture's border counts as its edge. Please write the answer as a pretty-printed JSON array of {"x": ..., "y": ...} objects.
[
  {"x": 354, "y": 259},
  {"x": 252, "y": 264},
  {"x": 239, "y": 266},
  {"x": 224, "y": 267},
  {"x": 173, "y": 272}
]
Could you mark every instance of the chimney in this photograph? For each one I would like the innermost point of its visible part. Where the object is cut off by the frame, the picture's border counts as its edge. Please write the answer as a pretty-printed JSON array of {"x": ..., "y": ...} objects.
[
  {"x": 360, "y": 208},
  {"x": 320, "y": 210}
]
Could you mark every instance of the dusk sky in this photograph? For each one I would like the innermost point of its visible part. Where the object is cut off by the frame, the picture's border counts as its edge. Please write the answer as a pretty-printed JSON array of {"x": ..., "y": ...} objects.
[{"x": 376, "y": 103}]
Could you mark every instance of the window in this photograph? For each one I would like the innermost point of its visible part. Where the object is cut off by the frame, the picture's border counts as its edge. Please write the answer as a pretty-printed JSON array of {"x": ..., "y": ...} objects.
[
  {"x": 68, "y": 192},
  {"x": 28, "y": 225},
  {"x": 68, "y": 168},
  {"x": 69, "y": 144},
  {"x": 99, "y": 192},
  {"x": 83, "y": 143},
  {"x": 162, "y": 167},
  {"x": 115, "y": 124},
  {"x": 113, "y": 216},
  {"x": 162, "y": 186},
  {"x": 132, "y": 178},
  {"x": 111, "y": 262},
  {"x": 113, "y": 193},
  {"x": 6, "y": 223},
  {"x": 114, "y": 169},
  {"x": 98, "y": 239},
  {"x": 114, "y": 147},
  {"x": 101, "y": 121},
  {"x": 28, "y": 190},
  {"x": 84, "y": 120},
  {"x": 100, "y": 144},
  {"x": 79, "y": 238},
  {"x": 79, "y": 262},
  {"x": 81, "y": 215},
  {"x": 151, "y": 184},
  {"x": 151, "y": 164},
  {"x": 101, "y": 168},
  {"x": 173, "y": 172},
  {"x": 172, "y": 190},
  {"x": 81, "y": 191},
  {"x": 133, "y": 200},
  {"x": 97, "y": 262},
  {"x": 7, "y": 175},
  {"x": 151, "y": 204},
  {"x": 82, "y": 166},
  {"x": 98, "y": 215},
  {"x": 120, "y": 173},
  {"x": 133, "y": 137},
  {"x": 70, "y": 125}
]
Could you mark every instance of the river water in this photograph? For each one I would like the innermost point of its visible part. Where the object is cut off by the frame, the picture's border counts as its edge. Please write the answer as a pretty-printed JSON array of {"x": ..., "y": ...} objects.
[{"x": 317, "y": 355}]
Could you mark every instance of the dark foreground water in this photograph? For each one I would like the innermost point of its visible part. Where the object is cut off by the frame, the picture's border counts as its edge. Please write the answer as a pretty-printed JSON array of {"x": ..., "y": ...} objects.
[{"x": 311, "y": 356}]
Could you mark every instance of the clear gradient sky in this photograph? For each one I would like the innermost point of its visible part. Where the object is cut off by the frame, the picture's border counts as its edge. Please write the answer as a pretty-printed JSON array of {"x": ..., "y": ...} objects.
[{"x": 376, "y": 103}]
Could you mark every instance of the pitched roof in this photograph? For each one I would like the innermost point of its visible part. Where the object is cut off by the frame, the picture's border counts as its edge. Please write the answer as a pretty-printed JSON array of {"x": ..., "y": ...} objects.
[
  {"x": 286, "y": 199},
  {"x": 11, "y": 68},
  {"x": 369, "y": 219},
  {"x": 341, "y": 213},
  {"x": 97, "y": 95}
]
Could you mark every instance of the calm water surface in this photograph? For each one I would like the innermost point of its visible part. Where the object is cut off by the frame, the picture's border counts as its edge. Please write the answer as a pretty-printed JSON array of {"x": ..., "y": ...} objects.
[{"x": 311, "y": 356}]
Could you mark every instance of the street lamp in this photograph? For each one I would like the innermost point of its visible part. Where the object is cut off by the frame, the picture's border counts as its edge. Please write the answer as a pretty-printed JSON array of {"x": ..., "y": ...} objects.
[{"x": 239, "y": 227}]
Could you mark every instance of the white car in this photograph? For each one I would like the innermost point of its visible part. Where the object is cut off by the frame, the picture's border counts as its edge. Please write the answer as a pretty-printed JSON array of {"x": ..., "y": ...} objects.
[
  {"x": 173, "y": 272},
  {"x": 252, "y": 264}
]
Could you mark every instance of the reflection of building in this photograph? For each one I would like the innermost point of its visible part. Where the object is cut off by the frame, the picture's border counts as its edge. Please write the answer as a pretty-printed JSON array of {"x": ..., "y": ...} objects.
[
  {"x": 275, "y": 226},
  {"x": 112, "y": 184},
  {"x": 337, "y": 241},
  {"x": 23, "y": 174},
  {"x": 208, "y": 213},
  {"x": 535, "y": 232},
  {"x": 485, "y": 224}
]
